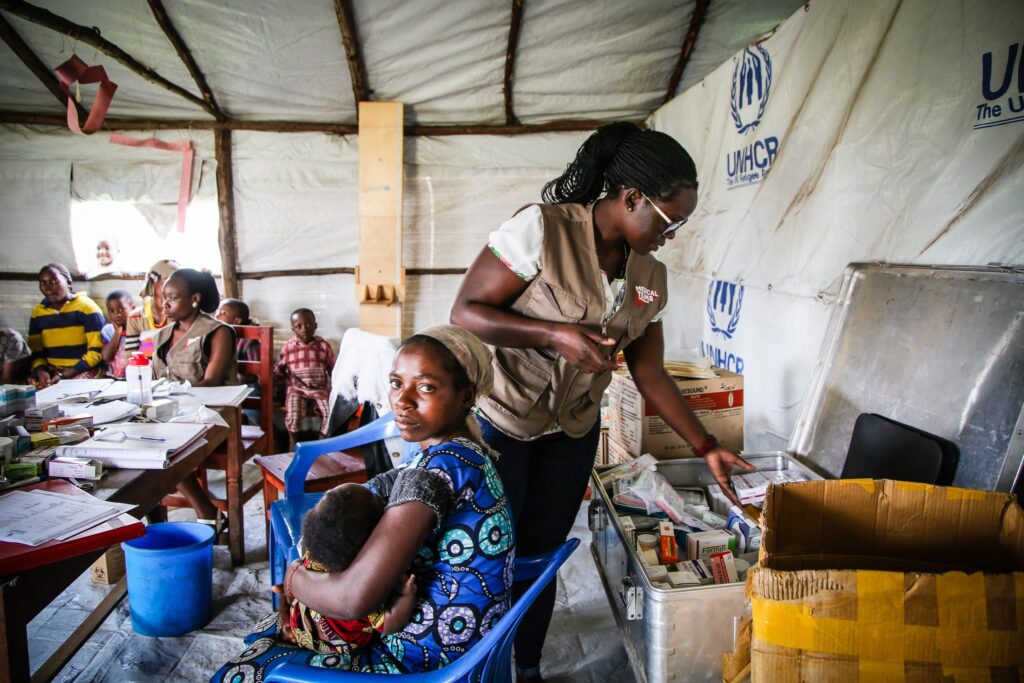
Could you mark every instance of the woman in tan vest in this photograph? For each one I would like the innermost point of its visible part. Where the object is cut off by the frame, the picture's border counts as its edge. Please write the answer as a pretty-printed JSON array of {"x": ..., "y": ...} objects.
[
  {"x": 197, "y": 348},
  {"x": 559, "y": 290}
]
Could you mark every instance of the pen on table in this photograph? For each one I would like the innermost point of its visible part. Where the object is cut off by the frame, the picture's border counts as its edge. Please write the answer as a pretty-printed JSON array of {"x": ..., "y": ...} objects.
[{"x": 144, "y": 438}]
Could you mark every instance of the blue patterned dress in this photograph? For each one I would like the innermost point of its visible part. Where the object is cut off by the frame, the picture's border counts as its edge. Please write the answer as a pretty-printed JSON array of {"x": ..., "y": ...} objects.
[{"x": 463, "y": 573}]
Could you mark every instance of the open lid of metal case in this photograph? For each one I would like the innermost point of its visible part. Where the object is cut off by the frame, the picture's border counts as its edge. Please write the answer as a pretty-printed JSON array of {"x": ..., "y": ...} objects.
[{"x": 937, "y": 348}]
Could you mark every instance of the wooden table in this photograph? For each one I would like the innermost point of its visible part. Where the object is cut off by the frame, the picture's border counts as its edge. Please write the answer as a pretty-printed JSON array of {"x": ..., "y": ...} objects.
[
  {"x": 327, "y": 471},
  {"x": 24, "y": 595}
]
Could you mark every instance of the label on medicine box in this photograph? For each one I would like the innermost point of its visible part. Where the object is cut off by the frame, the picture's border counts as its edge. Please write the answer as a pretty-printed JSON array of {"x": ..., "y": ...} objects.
[
  {"x": 79, "y": 468},
  {"x": 723, "y": 568},
  {"x": 703, "y": 544}
]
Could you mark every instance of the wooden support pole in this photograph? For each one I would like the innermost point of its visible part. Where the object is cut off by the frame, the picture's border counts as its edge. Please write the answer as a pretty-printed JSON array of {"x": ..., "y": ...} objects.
[
  {"x": 36, "y": 66},
  {"x": 510, "y": 59},
  {"x": 16, "y": 118},
  {"x": 226, "y": 201},
  {"x": 91, "y": 36},
  {"x": 160, "y": 14},
  {"x": 353, "y": 55},
  {"x": 700, "y": 12},
  {"x": 380, "y": 278}
]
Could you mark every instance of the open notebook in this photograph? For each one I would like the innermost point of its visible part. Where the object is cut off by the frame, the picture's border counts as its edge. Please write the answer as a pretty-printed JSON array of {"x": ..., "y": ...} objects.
[{"x": 135, "y": 445}]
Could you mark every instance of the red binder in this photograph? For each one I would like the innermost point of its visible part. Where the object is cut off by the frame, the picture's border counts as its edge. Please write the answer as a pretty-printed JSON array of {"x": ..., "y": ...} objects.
[{"x": 16, "y": 558}]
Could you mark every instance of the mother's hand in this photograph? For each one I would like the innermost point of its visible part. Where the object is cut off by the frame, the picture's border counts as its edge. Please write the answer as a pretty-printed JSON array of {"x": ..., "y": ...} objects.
[{"x": 582, "y": 348}]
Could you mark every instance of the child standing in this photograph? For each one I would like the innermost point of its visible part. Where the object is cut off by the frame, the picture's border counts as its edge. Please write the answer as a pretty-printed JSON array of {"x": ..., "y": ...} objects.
[
  {"x": 119, "y": 305},
  {"x": 305, "y": 364},
  {"x": 356, "y": 509}
]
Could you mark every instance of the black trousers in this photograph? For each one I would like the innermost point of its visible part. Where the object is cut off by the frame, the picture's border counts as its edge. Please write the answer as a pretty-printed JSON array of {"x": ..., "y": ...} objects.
[{"x": 545, "y": 481}]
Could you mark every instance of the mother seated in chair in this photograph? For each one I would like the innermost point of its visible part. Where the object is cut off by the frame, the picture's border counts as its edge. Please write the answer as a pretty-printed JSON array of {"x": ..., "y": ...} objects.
[{"x": 446, "y": 521}]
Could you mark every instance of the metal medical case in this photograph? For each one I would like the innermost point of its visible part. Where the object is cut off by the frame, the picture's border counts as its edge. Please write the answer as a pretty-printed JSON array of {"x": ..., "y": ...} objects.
[{"x": 938, "y": 348}]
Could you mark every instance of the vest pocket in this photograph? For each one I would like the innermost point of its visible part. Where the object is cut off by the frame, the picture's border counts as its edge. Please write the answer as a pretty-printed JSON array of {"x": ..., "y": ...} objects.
[
  {"x": 550, "y": 302},
  {"x": 186, "y": 362},
  {"x": 523, "y": 375}
]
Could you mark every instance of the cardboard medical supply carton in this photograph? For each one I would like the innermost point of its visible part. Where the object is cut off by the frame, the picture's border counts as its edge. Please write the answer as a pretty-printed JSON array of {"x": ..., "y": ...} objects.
[
  {"x": 109, "y": 568},
  {"x": 617, "y": 452},
  {"x": 717, "y": 402},
  {"x": 884, "y": 580}
]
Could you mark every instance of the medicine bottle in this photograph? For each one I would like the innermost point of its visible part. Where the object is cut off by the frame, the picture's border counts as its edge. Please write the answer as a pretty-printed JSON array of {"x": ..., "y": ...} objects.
[{"x": 139, "y": 375}]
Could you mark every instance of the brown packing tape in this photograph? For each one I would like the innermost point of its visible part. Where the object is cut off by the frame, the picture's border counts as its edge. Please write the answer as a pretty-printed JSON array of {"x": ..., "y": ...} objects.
[{"x": 878, "y": 634}]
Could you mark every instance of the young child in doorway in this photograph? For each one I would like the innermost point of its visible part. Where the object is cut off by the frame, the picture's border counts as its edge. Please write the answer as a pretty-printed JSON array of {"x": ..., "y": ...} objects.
[
  {"x": 119, "y": 305},
  {"x": 305, "y": 364},
  {"x": 354, "y": 510}
]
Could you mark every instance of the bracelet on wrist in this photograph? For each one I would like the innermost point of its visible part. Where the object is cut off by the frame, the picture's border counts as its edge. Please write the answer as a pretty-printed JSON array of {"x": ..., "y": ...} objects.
[
  {"x": 709, "y": 444},
  {"x": 289, "y": 573}
]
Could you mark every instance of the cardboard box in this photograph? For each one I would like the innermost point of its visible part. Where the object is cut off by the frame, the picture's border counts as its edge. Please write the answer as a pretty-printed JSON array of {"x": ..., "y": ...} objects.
[
  {"x": 617, "y": 453},
  {"x": 602, "y": 449},
  {"x": 883, "y": 580},
  {"x": 109, "y": 568},
  {"x": 718, "y": 403}
]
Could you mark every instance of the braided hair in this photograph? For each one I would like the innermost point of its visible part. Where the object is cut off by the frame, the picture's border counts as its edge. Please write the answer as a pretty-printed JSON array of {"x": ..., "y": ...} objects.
[{"x": 622, "y": 155}]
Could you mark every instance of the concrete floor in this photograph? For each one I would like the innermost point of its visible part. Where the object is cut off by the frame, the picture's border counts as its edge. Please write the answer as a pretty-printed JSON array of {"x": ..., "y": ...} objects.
[{"x": 583, "y": 644}]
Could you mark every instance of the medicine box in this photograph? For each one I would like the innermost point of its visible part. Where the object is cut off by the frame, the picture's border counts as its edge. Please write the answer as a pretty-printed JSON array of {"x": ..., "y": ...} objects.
[{"x": 717, "y": 402}]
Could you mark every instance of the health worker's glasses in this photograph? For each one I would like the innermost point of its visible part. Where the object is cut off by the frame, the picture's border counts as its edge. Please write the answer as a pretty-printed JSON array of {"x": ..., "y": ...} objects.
[{"x": 672, "y": 225}]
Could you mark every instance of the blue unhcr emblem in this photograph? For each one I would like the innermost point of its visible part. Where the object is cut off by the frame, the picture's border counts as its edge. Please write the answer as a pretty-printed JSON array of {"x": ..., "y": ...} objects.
[
  {"x": 751, "y": 84},
  {"x": 724, "y": 299}
]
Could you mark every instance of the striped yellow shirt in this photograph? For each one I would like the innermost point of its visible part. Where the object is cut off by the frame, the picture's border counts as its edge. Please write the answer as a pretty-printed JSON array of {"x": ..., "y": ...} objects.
[{"x": 69, "y": 337}]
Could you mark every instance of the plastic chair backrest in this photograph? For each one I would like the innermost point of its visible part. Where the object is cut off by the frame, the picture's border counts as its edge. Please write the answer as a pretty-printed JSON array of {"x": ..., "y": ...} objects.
[
  {"x": 489, "y": 661},
  {"x": 308, "y": 451}
]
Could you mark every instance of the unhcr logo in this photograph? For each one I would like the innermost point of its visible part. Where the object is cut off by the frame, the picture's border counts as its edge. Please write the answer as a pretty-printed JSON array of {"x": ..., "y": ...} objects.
[
  {"x": 751, "y": 84},
  {"x": 724, "y": 302}
]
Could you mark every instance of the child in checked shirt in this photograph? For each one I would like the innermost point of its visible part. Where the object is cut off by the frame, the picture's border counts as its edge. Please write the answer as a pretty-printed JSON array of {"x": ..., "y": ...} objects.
[{"x": 305, "y": 363}]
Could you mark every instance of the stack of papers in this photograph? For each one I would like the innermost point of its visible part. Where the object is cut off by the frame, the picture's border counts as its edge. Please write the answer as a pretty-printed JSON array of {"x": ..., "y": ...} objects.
[
  {"x": 111, "y": 411},
  {"x": 73, "y": 390},
  {"x": 35, "y": 517},
  {"x": 143, "y": 446}
]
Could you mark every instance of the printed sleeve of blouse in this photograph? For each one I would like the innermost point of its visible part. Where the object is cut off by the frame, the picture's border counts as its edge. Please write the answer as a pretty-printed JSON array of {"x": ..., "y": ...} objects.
[
  {"x": 425, "y": 486},
  {"x": 517, "y": 242},
  {"x": 384, "y": 483}
]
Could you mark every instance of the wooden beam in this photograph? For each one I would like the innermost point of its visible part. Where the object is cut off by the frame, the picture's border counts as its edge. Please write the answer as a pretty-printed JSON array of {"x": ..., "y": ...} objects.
[
  {"x": 91, "y": 36},
  {"x": 36, "y": 66},
  {"x": 17, "y": 276},
  {"x": 294, "y": 272},
  {"x": 341, "y": 270},
  {"x": 160, "y": 14},
  {"x": 700, "y": 12},
  {"x": 380, "y": 281},
  {"x": 510, "y": 59},
  {"x": 226, "y": 202},
  {"x": 16, "y": 118},
  {"x": 354, "y": 56}
]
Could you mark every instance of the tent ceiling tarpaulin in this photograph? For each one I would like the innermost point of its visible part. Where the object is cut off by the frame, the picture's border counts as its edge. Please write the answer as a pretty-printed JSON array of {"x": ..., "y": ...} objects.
[{"x": 266, "y": 59}]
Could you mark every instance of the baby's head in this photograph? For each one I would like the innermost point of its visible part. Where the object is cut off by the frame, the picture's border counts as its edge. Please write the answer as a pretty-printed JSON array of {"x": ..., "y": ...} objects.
[
  {"x": 119, "y": 305},
  {"x": 334, "y": 531},
  {"x": 233, "y": 312},
  {"x": 304, "y": 324},
  {"x": 437, "y": 376}
]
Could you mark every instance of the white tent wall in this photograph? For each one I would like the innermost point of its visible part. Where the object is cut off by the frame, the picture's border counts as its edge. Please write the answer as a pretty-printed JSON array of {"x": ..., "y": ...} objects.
[
  {"x": 296, "y": 205},
  {"x": 875, "y": 109}
]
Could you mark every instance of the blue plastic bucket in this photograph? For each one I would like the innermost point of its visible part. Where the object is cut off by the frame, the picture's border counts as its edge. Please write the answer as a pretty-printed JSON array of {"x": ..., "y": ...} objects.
[{"x": 170, "y": 578}]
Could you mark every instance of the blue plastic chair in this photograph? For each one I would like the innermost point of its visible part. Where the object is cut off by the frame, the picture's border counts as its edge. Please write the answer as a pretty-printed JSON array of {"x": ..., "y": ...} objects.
[
  {"x": 489, "y": 661},
  {"x": 286, "y": 514}
]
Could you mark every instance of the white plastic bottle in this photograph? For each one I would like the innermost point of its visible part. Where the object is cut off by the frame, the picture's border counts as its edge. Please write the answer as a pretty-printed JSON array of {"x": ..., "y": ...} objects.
[{"x": 139, "y": 375}]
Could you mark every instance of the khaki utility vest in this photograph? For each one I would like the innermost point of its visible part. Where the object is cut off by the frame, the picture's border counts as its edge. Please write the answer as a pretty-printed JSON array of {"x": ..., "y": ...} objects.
[
  {"x": 535, "y": 390},
  {"x": 187, "y": 359}
]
